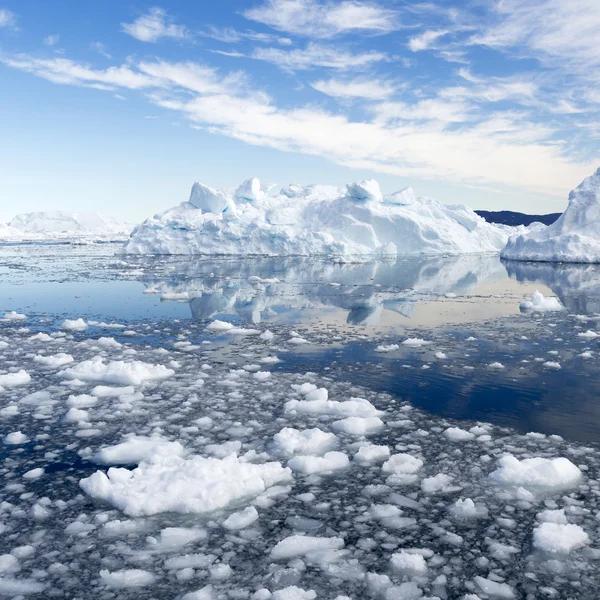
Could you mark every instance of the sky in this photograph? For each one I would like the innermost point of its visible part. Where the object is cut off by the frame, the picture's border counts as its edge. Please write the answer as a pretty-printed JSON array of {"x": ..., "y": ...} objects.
[{"x": 119, "y": 106}]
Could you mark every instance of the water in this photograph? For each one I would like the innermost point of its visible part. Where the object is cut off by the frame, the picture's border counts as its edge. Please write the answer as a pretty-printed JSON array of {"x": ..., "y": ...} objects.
[{"x": 486, "y": 373}]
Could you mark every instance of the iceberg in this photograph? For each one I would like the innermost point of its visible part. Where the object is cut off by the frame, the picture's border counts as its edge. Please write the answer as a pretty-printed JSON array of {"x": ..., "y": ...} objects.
[
  {"x": 574, "y": 237},
  {"x": 314, "y": 220},
  {"x": 64, "y": 226}
]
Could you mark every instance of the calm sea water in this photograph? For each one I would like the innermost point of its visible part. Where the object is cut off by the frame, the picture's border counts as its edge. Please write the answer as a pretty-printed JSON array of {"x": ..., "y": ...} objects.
[{"x": 350, "y": 309}]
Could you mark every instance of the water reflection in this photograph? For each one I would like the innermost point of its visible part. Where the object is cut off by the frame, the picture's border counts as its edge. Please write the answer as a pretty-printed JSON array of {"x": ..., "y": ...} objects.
[
  {"x": 577, "y": 286},
  {"x": 257, "y": 289}
]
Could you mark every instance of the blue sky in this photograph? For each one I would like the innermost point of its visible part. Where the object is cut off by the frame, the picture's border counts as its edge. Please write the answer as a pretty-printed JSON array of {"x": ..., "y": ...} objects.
[{"x": 119, "y": 106}]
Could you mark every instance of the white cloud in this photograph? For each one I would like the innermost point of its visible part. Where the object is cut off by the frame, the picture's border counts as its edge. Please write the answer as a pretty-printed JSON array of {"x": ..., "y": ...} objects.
[
  {"x": 426, "y": 40},
  {"x": 402, "y": 139},
  {"x": 101, "y": 49},
  {"x": 558, "y": 32},
  {"x": 317, "y": 55},
  {"x": 369, "y": 89},
  {"x": 51, "y": 40},
  {"x": 155, "y": 25},
  {"x": 7, "y": 18},
  {"x": 229, "y": 35},
  {"x": 316, "y": 19}
]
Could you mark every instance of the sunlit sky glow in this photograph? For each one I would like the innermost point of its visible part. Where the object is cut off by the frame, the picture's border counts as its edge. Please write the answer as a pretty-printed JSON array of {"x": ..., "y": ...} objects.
[{"x": 119, "y": 106}]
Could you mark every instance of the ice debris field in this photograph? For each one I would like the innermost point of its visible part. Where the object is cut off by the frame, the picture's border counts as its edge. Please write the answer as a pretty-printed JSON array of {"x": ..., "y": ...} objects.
[{"x": 138, "y": 470}]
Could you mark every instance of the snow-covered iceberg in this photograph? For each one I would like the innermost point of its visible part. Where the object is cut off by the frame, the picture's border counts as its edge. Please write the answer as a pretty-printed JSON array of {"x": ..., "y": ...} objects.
[
  {"x": 64, "y": 226},
  {"x": 574, "y": 237},
  {"x": 314, "y": 220}
]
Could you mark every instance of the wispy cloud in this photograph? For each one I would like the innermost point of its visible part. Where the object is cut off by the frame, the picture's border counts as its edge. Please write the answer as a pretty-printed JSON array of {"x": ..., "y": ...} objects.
[
  {"x": 318, "y": 55},
  {"x": 315, "y": 19},
  {"x": 101, "y": 49},
  {"x": 8, "y": 18},
  {"x": 230, "y": 35},
  {"x": 155, "y": 25},
  {"x": 426, "y": 40},
  {"x": 51, "y": 40},
  {"x": 402, "y": 138},
  {"x": 369, "y": 89}
]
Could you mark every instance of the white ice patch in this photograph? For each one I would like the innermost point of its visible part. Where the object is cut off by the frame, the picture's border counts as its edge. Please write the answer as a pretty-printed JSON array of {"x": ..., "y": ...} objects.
[
  {"x": 241, "y": 519},
  {"x": 15, "y": 379},
  {"x": 74, "y": 325},
  {"x": 314, "y": 441},
  {"x": 539, "y": 303},
  {"x": 126, "y": 578},
  {"x": 136, "y": 449},
  {"x": 117, "y": 372},
  {"x": 559, "y": 538},
  {"x": 186, "y": 485},
  {"x": 300, "y": 545},
  {"x": 54, "y": 361},
  {"x": 537, "y": 475},
  {"x": 358, "y": 425},
  {"x": 331, "y": 461}
]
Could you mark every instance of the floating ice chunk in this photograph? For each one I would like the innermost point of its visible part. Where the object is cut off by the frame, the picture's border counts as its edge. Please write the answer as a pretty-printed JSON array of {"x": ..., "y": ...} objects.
[
  {"x": 371, "y": 453},
  {"x": 205, "y": 593},
  {"x": 13, "y": 316},
  {"x": 538, "y": 474},
  {"x": 589, "y": 334},
  {"x": 496, "y": 365},
  {"x": 539, "y": 303},
  {"x": 34, "y": 473},
  {"x": 74, "y": 325},
  {"x": 308, "y": 441},
  {"x": 552, "y": 364},
  {"x": 15, "y": 438},
  {"x": 331, "y": 461},
  {"x": 126, "y": 578},
  {"x": 15, "y": 379},
  {"x": 294, "y": 593},
  {"x": 217, "y": 325},
  {"x": 9, "y": 564},
  {"x": 76, "y": 415},
  {"x": 438, "y": 483},
  {"x": 319, "y": 405},
  {"x": 405, "y": 591},
  {"x": 16, "y": 588},
  {"x": 300, "y": 545},
  {"x": 207, "y": 199},
  {"x": 365, "y": 190},
  {"x": 243, "y": 331},
  {"x": 467, "y": 509},
  {"x": 494, "y": 589},
  {"x": 186, "y": 485},
  {"x": 261, "y": 375},
  {"x": 105, "y": 391},
  {"x": 241, "y": 519},
  {"x": 408, "y": 564},
  {"x": 136, "y": 449},
  {"x": 559, "y": 538},
  {"x": 174, "y": 538},
  {"x": 552, "y": 516},
  {"x": 54, "y": 361},
  {"x": 455, "y": 434},
  {"x": 441, "y": 355},
  {"x": 387, "y": 348},
  {"x": 117, "y": 372},
  {"x": 358, "y": 425},
  {"x": 415, "y": 342},
  {"x": 402, "y": 464}
]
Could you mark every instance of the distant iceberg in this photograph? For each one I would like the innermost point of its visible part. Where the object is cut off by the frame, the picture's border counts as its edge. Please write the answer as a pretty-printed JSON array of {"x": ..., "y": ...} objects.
[
  {"x": 315, "y": 220},
  {"x": 64, "y": 226},
  {"x": 574, "y": 237}
]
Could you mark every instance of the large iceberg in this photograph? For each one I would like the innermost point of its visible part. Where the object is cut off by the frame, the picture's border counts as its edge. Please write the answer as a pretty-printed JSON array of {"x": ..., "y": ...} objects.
[
  {"x": 574, "y": 237},
  {"x": 65, "y": 226},
  {"x": 311, "y": 220}
]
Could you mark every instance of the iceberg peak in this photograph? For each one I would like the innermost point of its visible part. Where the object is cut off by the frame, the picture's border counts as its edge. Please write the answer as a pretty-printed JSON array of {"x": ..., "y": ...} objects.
[
  {"x": 365, "y": 190},
  {"x": 574, "y": 237}
]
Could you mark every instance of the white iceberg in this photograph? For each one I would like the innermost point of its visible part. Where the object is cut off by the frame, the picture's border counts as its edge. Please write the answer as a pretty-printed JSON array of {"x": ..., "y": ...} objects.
[
  {"x": 64, "y": 226},
  {"x": 574, "y": 237},
  {"x": 314, "y": 220}
]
